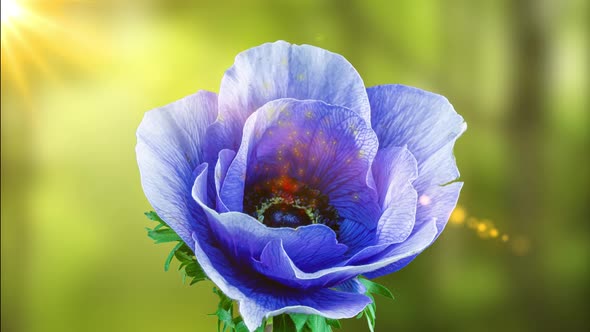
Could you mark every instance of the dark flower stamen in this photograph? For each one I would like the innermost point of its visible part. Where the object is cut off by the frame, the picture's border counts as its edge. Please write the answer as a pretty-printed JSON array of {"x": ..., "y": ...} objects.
[{"x": 284, "y": 202}]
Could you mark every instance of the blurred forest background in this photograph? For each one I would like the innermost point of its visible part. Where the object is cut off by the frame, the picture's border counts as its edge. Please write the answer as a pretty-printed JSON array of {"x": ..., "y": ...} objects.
[{"x": 77, "y": 77}]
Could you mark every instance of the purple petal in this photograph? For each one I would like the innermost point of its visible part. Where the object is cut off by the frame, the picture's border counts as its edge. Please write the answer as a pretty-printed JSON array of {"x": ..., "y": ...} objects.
[
  {"x": 394, "y": 169},
  {"x": 352, "y": 286},
  {"x": 223, "y": 162},
  {"x": 282, "y": 70},
  {"x": 429, "y": 126},
  {"x": 394, "y": 267},
  {"x": 245, "y": 237},
  {"x": 424, "y": 121},
  {"x": 325, "y": 147},
  {"x": 259, "y": 297},
  {"x": 277, "y": 265},
  {"x": 327, "y": 303},
  {"x": 438, "y": 202},
  {"x": 169, "y": 147}
]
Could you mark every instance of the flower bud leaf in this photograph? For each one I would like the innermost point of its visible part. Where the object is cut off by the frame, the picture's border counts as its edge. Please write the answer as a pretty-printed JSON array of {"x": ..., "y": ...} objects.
[
  {"x": 163, "y": 235},
  {"x": 189, "y": 267},
  {"x": 282, "y": 323},
  {"x": 375, "y": 288},
  {"x": 370, "y": 311},
  {"x": 318, "y": 324},
  {"x": 333, "y": 323},
  {"x": 299, "y": 320},
  {"x": 171, "y": 255}
]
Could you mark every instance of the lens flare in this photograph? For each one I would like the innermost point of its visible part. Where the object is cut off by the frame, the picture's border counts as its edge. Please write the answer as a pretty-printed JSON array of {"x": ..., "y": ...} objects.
[
  {"x": 36, "y": 33},
  {"x": 10, "y": 9},
  {"x": 486, "y": 229}
]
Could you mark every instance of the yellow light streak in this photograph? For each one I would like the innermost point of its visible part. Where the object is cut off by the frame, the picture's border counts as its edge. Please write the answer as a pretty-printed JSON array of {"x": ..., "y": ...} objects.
[{"x": 486, "y": 229}]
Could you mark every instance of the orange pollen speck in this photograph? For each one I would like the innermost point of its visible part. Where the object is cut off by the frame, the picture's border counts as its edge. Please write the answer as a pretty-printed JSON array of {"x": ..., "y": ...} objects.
[{"x": 286, "y": 184}]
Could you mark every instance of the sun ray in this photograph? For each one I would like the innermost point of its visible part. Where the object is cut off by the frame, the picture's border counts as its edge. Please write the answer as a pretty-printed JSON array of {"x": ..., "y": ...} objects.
[
  {"x": 31, "y": 54},
  {"x": 37, "y": 34},
  {"x": 16, "y": 74},
  {"x": 10, "y": 9}
]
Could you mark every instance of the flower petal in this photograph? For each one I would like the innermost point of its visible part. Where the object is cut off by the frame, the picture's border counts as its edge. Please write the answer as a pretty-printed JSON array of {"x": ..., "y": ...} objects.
[
  {"x": 325, "y": 147},
  {"x": 276, "y": 264},
  {"x": 260, "y": 297},
  {"x": 223, "y": 162},
  {"x": 393, "y": 267},
  {"x": 169, "y": 147},
  {"x": 327, "y": 303},
  {"x": 352, "y": 286},
  {"x": 245, "y": 237},
  {"x": 394, "y": 169},
  {"x": 424, "y": 121},
  {"x": 429, "y": 126},
  {"x": 438, "y": 202},
  {"x": 282, "y": 70}
]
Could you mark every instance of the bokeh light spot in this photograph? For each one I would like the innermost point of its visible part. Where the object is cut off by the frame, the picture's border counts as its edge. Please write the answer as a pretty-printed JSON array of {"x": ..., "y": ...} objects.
[
  {"x": 458, "y": 216},
  {"x": 424, "y": 200}
]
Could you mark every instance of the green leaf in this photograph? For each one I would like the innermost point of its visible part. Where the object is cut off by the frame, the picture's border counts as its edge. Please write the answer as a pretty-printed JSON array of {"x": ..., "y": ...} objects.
[
  {"x": 299, "y": 320},
  {"x": 183, "y": 256},
  {"x": 224, "y": 316},
  {"x": 189, "y": 267},
  {"x": 318, "y": 324},
  {"x": 195, "y": 280},
  {"x": 171, "y": 255},
  {"x": 241, "y": 327},
  {"x": 370, "y": 311},
  {"x": 282, "y": 323},
  {"x": 375, "y": 288},
  {"x": 333, "y": 323},
  {"x": 194, "y": 270},
  {"x": 163, "y": 235},
  {"x": 225, "y": 302},
  {"x": 154, "y": 216}
]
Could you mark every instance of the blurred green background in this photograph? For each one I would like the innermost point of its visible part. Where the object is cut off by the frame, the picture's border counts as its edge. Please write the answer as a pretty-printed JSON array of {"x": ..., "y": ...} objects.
[{"x": 77, "y": 77}]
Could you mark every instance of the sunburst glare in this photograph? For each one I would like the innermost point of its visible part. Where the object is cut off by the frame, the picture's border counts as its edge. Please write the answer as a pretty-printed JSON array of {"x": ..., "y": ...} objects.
[
  {"x": 35, "y": 36},
  {"x": 10, "y": 9}
]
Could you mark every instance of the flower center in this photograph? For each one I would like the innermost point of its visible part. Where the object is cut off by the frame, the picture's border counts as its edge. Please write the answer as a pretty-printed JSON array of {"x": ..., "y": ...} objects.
[{"x": 285, "y": 202}]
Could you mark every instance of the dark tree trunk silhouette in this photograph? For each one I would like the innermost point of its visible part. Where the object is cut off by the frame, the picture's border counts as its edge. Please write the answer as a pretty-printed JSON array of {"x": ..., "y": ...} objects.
[{"x": 527, "y": 128}]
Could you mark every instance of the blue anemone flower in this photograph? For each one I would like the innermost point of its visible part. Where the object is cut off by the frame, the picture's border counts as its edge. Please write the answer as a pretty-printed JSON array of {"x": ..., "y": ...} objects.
[{"x": 295, "y": 179}]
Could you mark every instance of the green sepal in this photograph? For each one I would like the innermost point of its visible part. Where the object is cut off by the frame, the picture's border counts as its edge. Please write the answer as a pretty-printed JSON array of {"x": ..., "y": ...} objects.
[
  {"x": 313, "y": 323},
  {"x": 333, "y": 323},
  {"x": 189, "y": 267},
  {"x": 152, "y": 215},
  {"x": 299, "y": 320},
  {"x": 370, "y": 311},
  {"x": 241, "y": 327},
  {"x": 171, "y": 255},
  {"x": 224, "y": 312},
  {"x": 318, "y": 324},
  {"x": 282, "y": 323},
  {"x": 375, "y": 288},
  {"x": 163, "y": 235}
]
